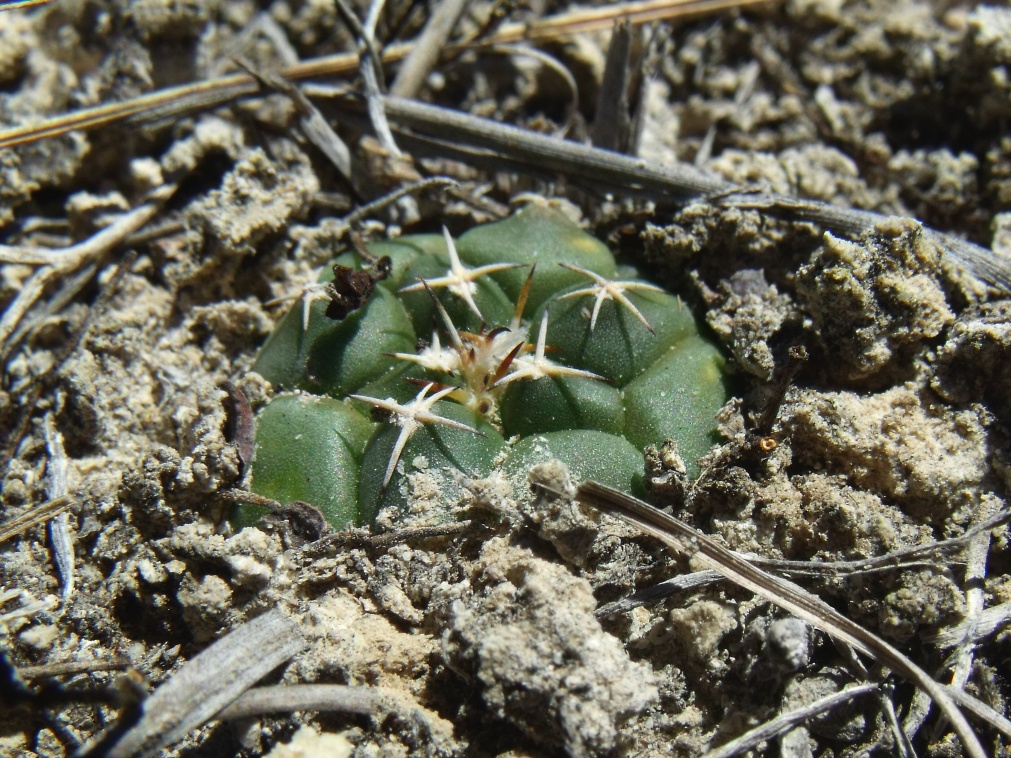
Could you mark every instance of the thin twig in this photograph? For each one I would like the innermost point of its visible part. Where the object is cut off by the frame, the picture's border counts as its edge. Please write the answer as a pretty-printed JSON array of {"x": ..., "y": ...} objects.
[
  {"x": 658, "y": 592},
  {"x": 344, "y": 225},
  {"x": 975, "y": 602},
  {"x": 237, "y": 496},
  {"x": 903, "y": 559},
  {"x": 600, "y": 166},
  {"x": 981, "y": 710},
  {"x": 313, "y": 126},
  {"x": 338, "y": 698},
  {"x": 903, "y": 747},
  {"x": 966, "y": 634},
  {"x": 363, "y": 212},
  {"x": 15, "y": 5},
  {"x": 72, "y": 668},
  {"x": 371, "y": 71}
]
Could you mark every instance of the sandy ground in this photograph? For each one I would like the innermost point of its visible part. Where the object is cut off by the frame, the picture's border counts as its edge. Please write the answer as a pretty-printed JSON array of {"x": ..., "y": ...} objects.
[{"x": 892, "y": 434}]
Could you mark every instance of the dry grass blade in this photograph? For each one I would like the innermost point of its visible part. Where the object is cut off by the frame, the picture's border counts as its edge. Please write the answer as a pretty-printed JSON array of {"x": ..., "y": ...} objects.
[
  {"x": 896, "y": 561},
  {"x": 37, "y": 515},
  {"x": 72, "y": 668},
  {"x": 612, "y": 123},
  {"x": 974, "y": 628},
  {"x": 773, "y": 728},
  {"x": 338, "y": 698},
  {"x": 173, "y": 101},
  {"x": 600, "y": 19},
  {"x": 783, "y": 593},
  {"x": 314, "y": 127},
  {"x": 658, "y": 592},
  {"x": 58, "y": 264},
  {"x": 205, "y": 685},
  {"x": 679, "y": 182},
  {"x": 156, "y": 104},
  {"x": 427, "y": 48},
  {"x": 981, "y": 710}
]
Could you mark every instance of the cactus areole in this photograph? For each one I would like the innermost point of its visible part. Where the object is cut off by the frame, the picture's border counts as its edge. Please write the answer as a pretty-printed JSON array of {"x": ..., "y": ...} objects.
[{"x": 518, "y": 342}]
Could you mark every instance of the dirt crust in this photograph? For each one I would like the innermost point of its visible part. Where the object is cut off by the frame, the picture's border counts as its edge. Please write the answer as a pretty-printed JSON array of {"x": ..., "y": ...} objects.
[{"x": 892, "y": 433}]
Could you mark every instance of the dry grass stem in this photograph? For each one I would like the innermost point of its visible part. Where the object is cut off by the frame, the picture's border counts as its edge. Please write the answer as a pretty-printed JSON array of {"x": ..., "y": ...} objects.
[
  {"x": 175, "y": 101},
  {"x": 679, "y": 183},
  {"x": 72, "y": 668},
  {"x": 427, "y": 48},
  {"x": 781, "y": 592},
  {"x": 786, "y": 721},
  {"x": 37, "y": 515},
  {"x": 981, "y": 710},
  {"x": 365, "y": 701},
  {"x": 59, "y": 264}
]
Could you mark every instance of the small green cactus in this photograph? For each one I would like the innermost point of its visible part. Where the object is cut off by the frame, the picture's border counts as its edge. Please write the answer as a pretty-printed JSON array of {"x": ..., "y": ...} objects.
[{"x": 532, "y": 332}]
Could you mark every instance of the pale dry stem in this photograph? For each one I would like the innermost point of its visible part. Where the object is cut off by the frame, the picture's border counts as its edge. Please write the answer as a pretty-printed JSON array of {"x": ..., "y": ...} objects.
[{"x": 59, "y": 264}]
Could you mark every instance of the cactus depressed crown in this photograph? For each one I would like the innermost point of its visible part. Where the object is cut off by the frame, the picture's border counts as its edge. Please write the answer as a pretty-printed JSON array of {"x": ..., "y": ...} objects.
[{"x": 530, "y": 331}]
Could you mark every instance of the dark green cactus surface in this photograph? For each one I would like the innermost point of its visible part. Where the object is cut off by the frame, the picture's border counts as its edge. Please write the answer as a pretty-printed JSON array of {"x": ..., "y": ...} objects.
[{"x": 533, "y": 347}]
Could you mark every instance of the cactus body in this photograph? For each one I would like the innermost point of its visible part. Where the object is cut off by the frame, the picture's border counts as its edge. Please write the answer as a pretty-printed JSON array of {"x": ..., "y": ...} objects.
[{"x": 580, "y": 360}]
